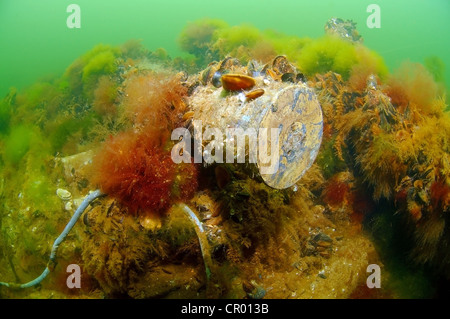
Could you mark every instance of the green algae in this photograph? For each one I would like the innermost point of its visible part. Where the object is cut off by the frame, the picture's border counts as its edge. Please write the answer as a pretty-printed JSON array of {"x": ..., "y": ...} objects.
[
  {"x": 17, "y": 144},
  {"x": 328, "y": 161},
  {"x": 83, "y": 74},
  {"x": 228, "y": 39},
  {"x": 328, "y": 53},
  {"x": 5, "y": 117},
  {"x": 436, "y": 67},
  {"x": 257, "y": 211},
  {"x": 400, "y": 276},
  {"x": 66, "y": 128},
  {"x": 196, "y": 37}
]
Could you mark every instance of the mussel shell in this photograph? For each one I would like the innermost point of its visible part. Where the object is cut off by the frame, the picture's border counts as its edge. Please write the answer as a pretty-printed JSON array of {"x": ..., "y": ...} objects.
[
  {"x": 253, "y": 68},
  {"x": 281, "y": 65},
  {"x": 254, "y": 94},
  {"x": 288, "y": 77},
  {"x": 207, "y": 74},
  {"x": 300, "y": 77},
  {"x": 264, "y": 69},
  {"x": 63, "y": 194},
  {"x": 204, "y": 76},
  {"x": 229, "y": 63},
  {"x": 183, "y": 76},
  {"x": 216, "y": 79},
  {"x": 237, "y": 82}
]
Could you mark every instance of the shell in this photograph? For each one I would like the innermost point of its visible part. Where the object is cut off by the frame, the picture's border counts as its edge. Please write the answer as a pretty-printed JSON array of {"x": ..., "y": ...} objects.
[
  {"x": 182, "y": 76},
  {"x": 273, "y": 75},
  {"x": 237, "y": 82},
  {"x": 229, "y": 63},
  {"x": 188, "y": 115},
  {"x": 204, "y": 75},
  {"x": 288, "y": 77},
  {"x": 254, "y": 94},
  {"x": 63, "y": 194},
  {"x": 207, "y": 74},
  {"x": 68, "y": 206},
  {"x": 300, "y": 77},
  {"x": 281, "y": 65},
  {"x": 253, "y": 68},
  {"x": 216, "y": 79}
]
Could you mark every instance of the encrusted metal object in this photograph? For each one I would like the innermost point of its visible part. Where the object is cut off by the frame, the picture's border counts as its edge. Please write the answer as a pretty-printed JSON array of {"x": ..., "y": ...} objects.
[
  {"x": 297, "y": 112},
  {"x": 290, "y": 106}
]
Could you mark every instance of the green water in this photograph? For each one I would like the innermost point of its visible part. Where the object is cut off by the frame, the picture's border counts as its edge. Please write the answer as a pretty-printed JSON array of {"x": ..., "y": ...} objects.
[
  {"x": 80, "y": 110},
  {"x": 35, "y": 40}
]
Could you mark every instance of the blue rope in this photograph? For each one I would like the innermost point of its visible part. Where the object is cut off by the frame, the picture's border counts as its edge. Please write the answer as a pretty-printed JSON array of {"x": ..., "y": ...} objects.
[{"x": 87, "y": 200}]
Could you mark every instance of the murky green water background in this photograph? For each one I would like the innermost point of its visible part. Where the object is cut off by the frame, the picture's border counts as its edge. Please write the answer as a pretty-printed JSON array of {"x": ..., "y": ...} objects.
[{"x": 35, "y": 41}]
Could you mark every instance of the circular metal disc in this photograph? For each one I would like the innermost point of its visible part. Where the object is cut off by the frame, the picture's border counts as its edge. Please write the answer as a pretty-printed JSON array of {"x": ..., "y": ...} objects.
[{"x": 296, "y": 111}]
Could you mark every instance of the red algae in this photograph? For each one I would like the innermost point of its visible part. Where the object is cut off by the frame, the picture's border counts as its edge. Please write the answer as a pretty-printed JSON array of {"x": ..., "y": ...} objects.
[
  {"x": 364, "y": 292},
  {"x": 336, "y": 192},
  {"x": 362, "y": 203},
  {"x": 155, "y": 99},
  {"x": 397, "y": 92},
  {"x": 136, "y": 169},
  {"x": 135, "y": 166},
  {"x": 400, "y": 197},
  {"x": 104, "y": 96},
  {"x": 412, "y": 84},
  {"x": 359, "y": 77},
  {"x": 440, "y": 194}
]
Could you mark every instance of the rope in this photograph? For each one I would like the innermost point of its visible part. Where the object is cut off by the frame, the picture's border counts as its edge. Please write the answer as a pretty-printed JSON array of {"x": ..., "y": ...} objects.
[{"x": 51, "y": 262}]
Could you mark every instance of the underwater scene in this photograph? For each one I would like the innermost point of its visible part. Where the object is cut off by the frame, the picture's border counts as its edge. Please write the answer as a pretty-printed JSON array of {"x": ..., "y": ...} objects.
[{"x": 243, "y": 150}]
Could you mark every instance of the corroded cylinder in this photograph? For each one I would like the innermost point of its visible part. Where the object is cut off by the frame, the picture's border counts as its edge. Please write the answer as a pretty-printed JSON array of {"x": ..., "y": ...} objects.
[{"x": 293, "y": 108}]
